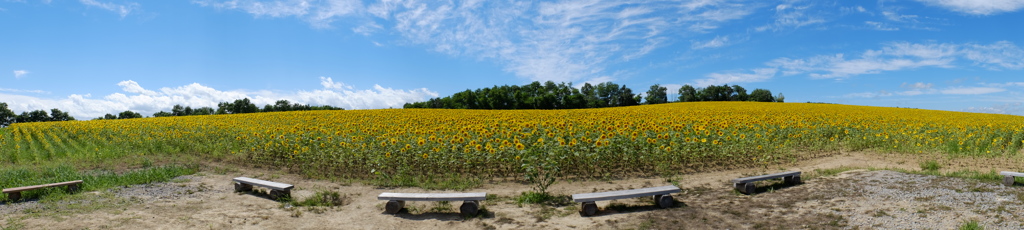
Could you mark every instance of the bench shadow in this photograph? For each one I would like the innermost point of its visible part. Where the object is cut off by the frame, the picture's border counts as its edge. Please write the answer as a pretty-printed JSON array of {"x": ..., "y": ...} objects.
[
  {"x": 442, "y": 216},
  {"x": 261, "y": 194},
  {"x": 619, "y": 208},
  {"x": 781, "y": 185}
]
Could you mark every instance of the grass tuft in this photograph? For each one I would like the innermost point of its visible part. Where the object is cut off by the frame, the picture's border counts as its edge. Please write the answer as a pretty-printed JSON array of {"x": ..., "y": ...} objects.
[
  {"x": 930, "y": 165},
  {"x": 324, "y": 199},
  {"x": 971, "y": 225}
]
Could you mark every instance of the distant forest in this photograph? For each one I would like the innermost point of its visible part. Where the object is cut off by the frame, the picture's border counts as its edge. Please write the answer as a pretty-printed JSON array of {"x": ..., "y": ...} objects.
[
  {"x": 8, "y": 117},
  {"x": 564, "y": 96}
]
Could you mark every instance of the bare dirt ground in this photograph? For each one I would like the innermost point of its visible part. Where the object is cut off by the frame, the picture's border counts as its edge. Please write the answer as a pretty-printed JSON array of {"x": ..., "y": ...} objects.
[{"x": 850, "y": 200}]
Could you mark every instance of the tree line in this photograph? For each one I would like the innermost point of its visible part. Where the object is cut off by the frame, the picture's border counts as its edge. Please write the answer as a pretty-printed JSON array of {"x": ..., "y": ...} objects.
[
  {"x": 564, "y": 96},
  {"x": 8, "y": 117}
]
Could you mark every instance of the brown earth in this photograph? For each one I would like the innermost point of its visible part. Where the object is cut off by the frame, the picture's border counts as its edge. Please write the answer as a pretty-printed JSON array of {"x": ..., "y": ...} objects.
[{"x": 854, "y": 199}]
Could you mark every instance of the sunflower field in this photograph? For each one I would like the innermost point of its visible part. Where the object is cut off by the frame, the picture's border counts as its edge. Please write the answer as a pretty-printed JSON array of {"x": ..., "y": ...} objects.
[{"x": 582, "y": 143}]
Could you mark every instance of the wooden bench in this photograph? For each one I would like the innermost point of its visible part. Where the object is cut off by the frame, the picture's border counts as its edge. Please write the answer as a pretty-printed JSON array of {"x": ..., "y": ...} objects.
[
  {"x": 14, "y": 194},
  {"x": 746, "y": 184},
  {"x": 277, "y": 190},
  {"x": 470, "y": 201},
  {"x": 661, "y": 197},
  {"x": 1009, "y": 176}
]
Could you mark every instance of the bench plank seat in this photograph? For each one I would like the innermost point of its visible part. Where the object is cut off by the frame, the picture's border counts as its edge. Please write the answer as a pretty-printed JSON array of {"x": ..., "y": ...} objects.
[
  {"x": 764, "y": 177},
  {"x": 34, "y": 187},
  {"x": 432, "y": 196},
  {"x": 263, "y": 183},
  {"x": 1014, "y": 174},
  {"x": 612, "y": 195},
  {"x": 14, "y": 194}
]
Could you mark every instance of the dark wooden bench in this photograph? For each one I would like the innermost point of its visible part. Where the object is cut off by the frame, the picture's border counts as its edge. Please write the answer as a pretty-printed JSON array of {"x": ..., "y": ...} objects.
[
  {"x": 277, "y": 190},
  {"x": 14, "y": 194},
  {"x": 1009, "y": 176},
  {"x": 746, "y": 184},
  {"x": 470, "y": 201},
  {"x": 661, "y": 197}
]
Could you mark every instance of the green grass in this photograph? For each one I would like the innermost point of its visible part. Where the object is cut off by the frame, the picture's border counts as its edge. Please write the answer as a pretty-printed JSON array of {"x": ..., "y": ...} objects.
[
  {"x": 930, "y": 165},
  {"x": 323, "y": 199},
  {"x": 971, "y": 225},
  {"x": 18, "y": 176},
  {"x": 531, "y": 197}
]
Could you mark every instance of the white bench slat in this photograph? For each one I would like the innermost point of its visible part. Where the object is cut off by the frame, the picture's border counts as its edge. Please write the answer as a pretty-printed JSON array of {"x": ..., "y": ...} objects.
[
  {"x": 263, "y": 183},
  {"x": 764, "y": 177},
  {"x": 1014, "y": 174},
  {"x": 432, "y": 196},
  {"x": 34, "y": 187},
  {"x": 612, "y": 195}
]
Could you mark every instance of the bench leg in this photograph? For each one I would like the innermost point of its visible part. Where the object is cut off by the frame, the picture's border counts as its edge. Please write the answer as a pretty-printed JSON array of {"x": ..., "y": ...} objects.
[
  {"x": 1008, "y": 180},
  {"x": 72, "y": 188},
  {"x": 393, "y": 206},
  {"x": 469, "y": 207},
  {"x": 745, "y": 188},
  {"x": 278, "y": 194},
  {"x": 589, "y": 208},
  {"x": 14, "y": 196},
  {"x": 664, "y": 201},
  {"x": 791, "y": 180},
  {"x": 240, "y": 187}
]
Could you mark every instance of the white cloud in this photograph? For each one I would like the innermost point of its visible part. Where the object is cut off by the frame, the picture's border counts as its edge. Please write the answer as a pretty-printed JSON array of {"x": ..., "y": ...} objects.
[
  {"x": 758, "y": 75},
  {"x": 790, "y": 15},
  {"x": 903, "y": 55},
  {"x": 718, "y": 41},
  {"x": 23, "y": 91},
  {"x": 1015, "y": 108},
  {"x": 562, "y": 40},
  {"x": 978, "y": 7},
  {"x": 972, "y": 90},
  {"x": 880, "y": 26},
  {"x": 136, "y": 98},
  {"x": 328, "y": 83},
  {"x": 20, "y": 73},
  {"x": 919, "y": 85},
  {"x": 120, "y": 9}
]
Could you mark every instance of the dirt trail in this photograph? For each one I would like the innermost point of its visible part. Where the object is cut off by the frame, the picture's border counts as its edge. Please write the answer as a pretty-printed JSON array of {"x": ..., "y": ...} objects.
[{"x": 207, "y": 201}]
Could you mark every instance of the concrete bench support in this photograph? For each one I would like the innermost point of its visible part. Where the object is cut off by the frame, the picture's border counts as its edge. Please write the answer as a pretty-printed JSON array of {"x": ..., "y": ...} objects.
[
  {"x": 746, "y": 185},
  {"x": 14, "y": 194},
  {"x": 1009, "y": 176},
  {"x": 661, "y": 197},
  {"x": 470, "y": 201},
  {"x": 277, "y": 190}
]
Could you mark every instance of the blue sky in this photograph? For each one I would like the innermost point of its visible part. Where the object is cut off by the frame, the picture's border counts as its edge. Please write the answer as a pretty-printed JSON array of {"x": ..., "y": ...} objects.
[{"x": 92, "y": 57}]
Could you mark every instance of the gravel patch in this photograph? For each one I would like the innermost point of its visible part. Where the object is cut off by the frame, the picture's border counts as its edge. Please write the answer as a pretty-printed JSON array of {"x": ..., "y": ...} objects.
[{"x": 182, "y": 189}]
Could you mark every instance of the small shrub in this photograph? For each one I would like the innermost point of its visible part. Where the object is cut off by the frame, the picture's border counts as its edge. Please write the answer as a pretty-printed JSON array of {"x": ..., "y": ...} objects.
[
  {"x": 324, "y": 199},
  {"x": 971, "y": 225},
  {"x": 931, "y": 165}
]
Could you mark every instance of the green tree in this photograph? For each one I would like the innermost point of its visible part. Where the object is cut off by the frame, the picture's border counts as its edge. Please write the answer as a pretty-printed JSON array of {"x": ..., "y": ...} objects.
[
  {"x": 688, "y": 94},
  {"x": 761, "y": 95},
  {"x": 780, "y": 98},
  {"x": 57, "y": 115},
  {"x": 157, "y": 114},
  {"x": 7, "y": 117},
  {"x": 657, "y": 94},
  {"x": 109, "y": 117},
  {"x": 128, "y": 114},
  {"x": 739, "y": 93}
]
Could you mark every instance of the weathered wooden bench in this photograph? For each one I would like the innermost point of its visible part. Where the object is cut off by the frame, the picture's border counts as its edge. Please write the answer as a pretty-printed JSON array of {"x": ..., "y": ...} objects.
[
  {"x": 746, "y": 184},
  {"x": 277, "y": 190},
  {"x": 14, "y": 194},
  {"x": 1009, "y": 176},
  {"x": 470, "y": 201},
  {"x": 661, "y": 197}
]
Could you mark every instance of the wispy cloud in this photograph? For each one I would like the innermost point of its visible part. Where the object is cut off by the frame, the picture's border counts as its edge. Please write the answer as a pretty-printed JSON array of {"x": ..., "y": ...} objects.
[
  {"x": 978, "y": 7},
  {"x": 563, "y": 40},
  {"x": 20, "y": 73},
  {"x": 136, "y": 98},
  {"x": 903, "y": 55},
  {"x": 120, "y": 9},
  {"x": 920, "y": 88},
  {"x": 23, "y": 91},
  {"x": 792, "y": 15},
  {"x": 758, "y": 75},
  {"x": 971, "y": 90},
  {"x": 718, "y": 41},
  {"x": 893, "y": 57}
]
